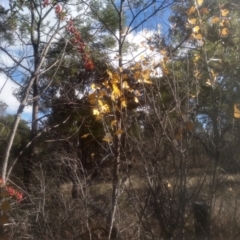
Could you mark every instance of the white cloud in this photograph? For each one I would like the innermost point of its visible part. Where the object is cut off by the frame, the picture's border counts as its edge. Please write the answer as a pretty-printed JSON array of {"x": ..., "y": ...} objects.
[{"x": 6, "y": 95}]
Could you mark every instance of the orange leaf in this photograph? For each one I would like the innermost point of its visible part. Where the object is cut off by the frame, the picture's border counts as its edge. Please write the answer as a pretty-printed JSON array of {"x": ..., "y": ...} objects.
[
  {"x": 193, "y": 21},
  {"x": 191, "y": 10},
  {"x": 236, "y": 110},
  {"x": 119, "y": 132},
  {"x": 204, "y": 11},
  {"x": 224, "y": 12},
  {"x": 224, "y": 32},
  {"x": 215, "y": 19}
]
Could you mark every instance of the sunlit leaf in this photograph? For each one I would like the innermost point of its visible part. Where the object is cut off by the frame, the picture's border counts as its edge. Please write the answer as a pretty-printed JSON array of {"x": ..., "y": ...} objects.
[
  {"x": 124, "y": 103},
  {"x": 193, "y": 21},
  {"x": 115, "y": 78},
  {"x": 120, "y": 69},
  {"x": 5, "y": 206},
  {"x": 198, "y": 36},
  {"x": 196, "y": 29},
  {"x": 215, "y": 19},
  {"x": 105, "y": 108},
  {"x": 109, "y": 73},
  {"x": 100, "y": 102},
  {"x": 107, "y": 138},
  {"x": 85, "y": 135},
  {"x": 95, "y": 86},
  {"x": 106, "y": 84},
  {"x": 119, "y": 132},
  {"x": 196, "y": 58},
  {"x": 136, "y": 100},
  {"x": 224, "y": 12},
  {"x": 224, "y": 23},
  {"x": 208, "y": 82},
  {"x": 236, "y": 110},
  {"x": 125, "y": 85},
  {"x": 199, "y": 2},
  {"x": 146, "y": 74},
  {"x": 113, "y": 123},
  {"x": 147, "y": 81},
  {"x": 116, "y": 90},
  {"x": 224, "y": 32},
  {"x": 95, "y": 111},
  {"x": 191, "y": 10}
]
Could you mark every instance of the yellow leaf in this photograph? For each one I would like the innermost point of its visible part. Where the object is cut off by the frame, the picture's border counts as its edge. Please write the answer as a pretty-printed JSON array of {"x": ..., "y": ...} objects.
[
  {"x": 237, "y": 110},
  {"x": 115, "y": 78},
  {"x": 204, "y": 11},
  {"x": 199, "y": 2},
  {"x": 196, "y": 29},
  {"x": 4, "y": 219},
  {"x": 215, "y": 19},
  {"x": 191, "y": 10},
  {"x": 148, "y": 81},
  {"x": 85, "y": 135},
  {"x": 109, "y": 74},
  {"x": 116, "y": 90},
  {"x": 146, "y": 74},
  {"x": 124, "y": 103},
  {"x": 95, "y": 111},
  {"x": 224, "y": 12},
  {"x": 193, "y": 21},
  {"x": 107, "y": 138},
  {"x": 142, "y": 57},
  {"x": 106, "y": 84},
  {"x": 125, "y": 85},
  {"x": 137, "y": 66},
  {"x": 92, "y": 98},
  {"x": 119, "y": 132},
  {"x": 113, "y": 123},
  {"x": 163, "y": 52},
  {"x": 95, "y": 86},
  {"x": 224, "y": 32},
  {"x": 105, "y": 108},
  {"x": 224, "y": 23},
  {"x": 5, "y": 206},
  {"x": 198, "y": 36},
  {"x": 196, "y": 58},
  {"x": 136, "y": 100},
  {"x": 100, "y": 102}
]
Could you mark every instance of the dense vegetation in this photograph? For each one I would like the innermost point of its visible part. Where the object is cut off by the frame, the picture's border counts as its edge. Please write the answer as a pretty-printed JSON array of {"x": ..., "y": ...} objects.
[{"x": 128, "y": 140}]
